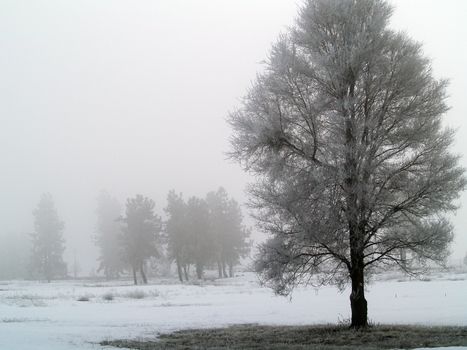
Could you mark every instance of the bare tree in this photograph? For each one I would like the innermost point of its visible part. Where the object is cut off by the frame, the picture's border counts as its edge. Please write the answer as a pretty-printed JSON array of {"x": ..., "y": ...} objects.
[{"x": 344, "y": 133}]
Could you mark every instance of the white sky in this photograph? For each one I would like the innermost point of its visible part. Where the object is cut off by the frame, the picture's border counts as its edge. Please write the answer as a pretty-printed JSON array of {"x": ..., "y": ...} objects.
[{"x": 132, "y": 96}]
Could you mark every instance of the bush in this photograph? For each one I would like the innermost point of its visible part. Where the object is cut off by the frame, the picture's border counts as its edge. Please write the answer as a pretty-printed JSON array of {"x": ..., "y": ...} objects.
[
  {"x": 136, "y": 294},
  {"x": 108, "y": 296}
]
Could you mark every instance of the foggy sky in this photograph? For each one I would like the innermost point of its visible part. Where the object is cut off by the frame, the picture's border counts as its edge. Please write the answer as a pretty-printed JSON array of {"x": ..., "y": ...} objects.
[{"x": 132, "y": 97}]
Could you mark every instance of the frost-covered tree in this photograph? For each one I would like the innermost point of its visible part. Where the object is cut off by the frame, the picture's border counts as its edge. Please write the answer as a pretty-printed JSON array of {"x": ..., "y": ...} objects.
[
  {"x": 343, "y": 131},
  {"x": 47, "y": 241},
  {"x": 228, "y": 232},
  {"x": 140, "y": 234},
  {"x": 108, "y": 235}
]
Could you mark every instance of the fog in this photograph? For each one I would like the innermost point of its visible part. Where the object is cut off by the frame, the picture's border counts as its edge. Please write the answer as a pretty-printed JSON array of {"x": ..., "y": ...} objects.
[{"x": 132, "y": 97}]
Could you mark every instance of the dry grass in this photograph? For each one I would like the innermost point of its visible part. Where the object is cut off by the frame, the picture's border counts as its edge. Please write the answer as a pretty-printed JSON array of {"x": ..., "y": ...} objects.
[{"x": 324, "y": 337}]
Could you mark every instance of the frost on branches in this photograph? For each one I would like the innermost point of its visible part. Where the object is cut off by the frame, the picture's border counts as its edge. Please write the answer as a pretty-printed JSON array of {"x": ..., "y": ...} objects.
[{"x": 343, "y": 131}]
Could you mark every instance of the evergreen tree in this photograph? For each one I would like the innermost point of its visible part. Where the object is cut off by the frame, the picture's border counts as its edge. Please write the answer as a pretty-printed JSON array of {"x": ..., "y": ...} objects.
[
  {"x": 140, "y": 234},
  {"x": 200, "y": 243},
  {"x": 177, "y": 233},
  {"x": 236, "y": 243},
  {"x": 228, "y": 232},
  {"x": 109, "y": 235},
  {"x": 47, "y": 241}
]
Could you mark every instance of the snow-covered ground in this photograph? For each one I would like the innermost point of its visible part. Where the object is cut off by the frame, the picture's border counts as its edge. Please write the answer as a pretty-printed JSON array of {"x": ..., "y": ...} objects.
[{"x": 44, "y": 316}]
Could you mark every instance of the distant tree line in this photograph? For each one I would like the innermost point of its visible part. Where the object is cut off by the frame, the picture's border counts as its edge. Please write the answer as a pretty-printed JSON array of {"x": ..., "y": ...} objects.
[
  {"x": 204, "y": 232},
  {"x": 199, "y": 233}
]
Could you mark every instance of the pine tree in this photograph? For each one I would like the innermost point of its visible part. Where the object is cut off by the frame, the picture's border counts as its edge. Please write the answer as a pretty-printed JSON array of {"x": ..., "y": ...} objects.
[
  {"x": 236, "y": 243},
  {"x": 140, "y": 234},
  {"x": 200, "y": 243},
  {"x": 109, "y": 235},
  {"x": 177, "y": 233},
  {"x": 47, "y": 241},
  {"x": 229, "y": 234}
]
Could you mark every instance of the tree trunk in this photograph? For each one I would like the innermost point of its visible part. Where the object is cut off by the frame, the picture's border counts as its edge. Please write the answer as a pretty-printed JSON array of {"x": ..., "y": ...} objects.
[
  {"x": 179, "y": 270},
  {"x": 143, "y": 275},
  {"x": 135, "y": 280},
  {"x": 355, "y": 207},
  {"x": 185, "y": 271},
  {"x": 358, "y": 303},
  {"x": 48, "y": 274},
  {"x": 199, "y": 271},
  {"x": 231, "y": 273},
  {"x": 223, "y": 269}
]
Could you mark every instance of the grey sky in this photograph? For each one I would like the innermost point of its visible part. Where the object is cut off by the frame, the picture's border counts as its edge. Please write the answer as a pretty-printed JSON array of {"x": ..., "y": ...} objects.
[{"x": 131, "y": 96}]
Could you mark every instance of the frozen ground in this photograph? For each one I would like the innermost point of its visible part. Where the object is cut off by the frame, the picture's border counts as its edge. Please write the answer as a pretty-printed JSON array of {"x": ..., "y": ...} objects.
[{"x": 43, "y": 316}]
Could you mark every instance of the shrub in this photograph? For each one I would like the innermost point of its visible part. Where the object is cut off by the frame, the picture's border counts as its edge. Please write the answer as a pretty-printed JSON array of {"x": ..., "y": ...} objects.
[{"x": 108, "y": 296}]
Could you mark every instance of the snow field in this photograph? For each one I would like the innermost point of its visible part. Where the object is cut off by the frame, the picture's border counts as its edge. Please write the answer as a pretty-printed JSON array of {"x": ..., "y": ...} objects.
[{"x": 43, "y": 316}]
